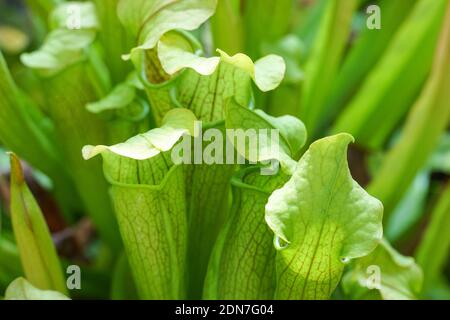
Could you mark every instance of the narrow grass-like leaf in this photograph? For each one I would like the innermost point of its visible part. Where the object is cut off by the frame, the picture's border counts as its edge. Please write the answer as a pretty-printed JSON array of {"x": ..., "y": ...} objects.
[
  {"x": 29, "y": 135},
  {"x": 424, "y": 127},
  {"x": 37, "y": 252},
  {"x": 410, "y": 209},
  {"x": 392, "y": 86},
  {"x": 434, "y": 248},
  {"x": 324, "y": 61},
  {"x": 360, "y": 60},
  {"x": 227, "y": 27}
]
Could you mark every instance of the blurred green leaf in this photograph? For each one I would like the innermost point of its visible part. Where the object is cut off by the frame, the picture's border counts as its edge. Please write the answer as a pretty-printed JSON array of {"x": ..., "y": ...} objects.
[
  {"x": 61, "y": 49},
  {"x": 385, "y": 271},
  {"x": 21, "y": 289},
  {"x": 410, "y": 209},
  {"x": 10, "y": 267},
  {"x": 440, "y": 161}
]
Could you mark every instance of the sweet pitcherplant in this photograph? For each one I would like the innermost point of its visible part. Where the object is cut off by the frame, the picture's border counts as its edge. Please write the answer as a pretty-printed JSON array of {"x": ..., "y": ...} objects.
[{"x": 133, "y": 127}]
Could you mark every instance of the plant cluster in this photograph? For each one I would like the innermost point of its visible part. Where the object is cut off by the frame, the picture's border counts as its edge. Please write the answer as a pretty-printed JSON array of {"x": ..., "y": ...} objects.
[{"x": 106, "y": 94}]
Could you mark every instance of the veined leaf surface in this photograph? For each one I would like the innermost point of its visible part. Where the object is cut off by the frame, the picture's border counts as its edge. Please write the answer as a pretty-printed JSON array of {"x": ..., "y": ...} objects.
[{"x": 321, "y": 219}]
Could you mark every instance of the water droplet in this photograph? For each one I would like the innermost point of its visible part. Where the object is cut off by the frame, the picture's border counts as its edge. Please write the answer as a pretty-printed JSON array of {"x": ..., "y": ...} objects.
[
  {"x": 345, "y": 260},
  {"x": 280, "y": 244}
]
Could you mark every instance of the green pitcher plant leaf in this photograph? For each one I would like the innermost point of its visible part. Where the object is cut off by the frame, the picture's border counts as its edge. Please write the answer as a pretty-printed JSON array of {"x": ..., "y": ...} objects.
[
  {"x": 290, "y": 133},
  {"x": 149, "y": 201},
  {"x": 177, "y": 123},
  {"x": 121, "y": 96},
  {"x": 205, "y": 95},
  {"x": 148, "y": 21},
  {"x": 321, "y": 219},
  {"x": 73, "y": 76},
  {"x": 267, "y": 72},
  {"x": 148, "y": 191},
  {"x": 242, "y": 265},
  {"x": 63, "y": 48},
  {"x": 124, "y": 110}
]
